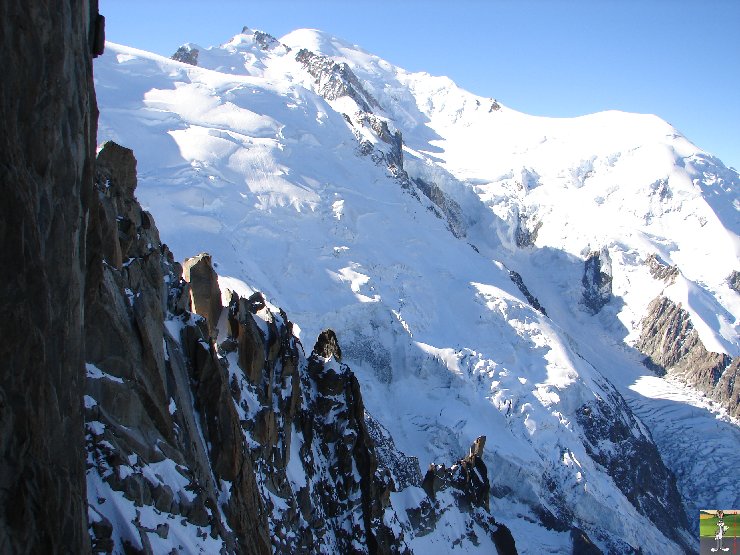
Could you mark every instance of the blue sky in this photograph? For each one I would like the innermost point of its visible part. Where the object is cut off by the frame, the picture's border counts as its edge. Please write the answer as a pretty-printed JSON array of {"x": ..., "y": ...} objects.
[{"x": 679, "y": 59}]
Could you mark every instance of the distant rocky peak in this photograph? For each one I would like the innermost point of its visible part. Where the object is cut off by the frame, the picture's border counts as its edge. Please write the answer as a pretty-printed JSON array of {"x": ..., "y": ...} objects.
[
  {"x": 255, "y": 42},
  {"x": 186, "y": 54},
  {"x": 335, "y": 79},
  {"x": 265, "y": 40},
  {"x": 661, "y": 270}
]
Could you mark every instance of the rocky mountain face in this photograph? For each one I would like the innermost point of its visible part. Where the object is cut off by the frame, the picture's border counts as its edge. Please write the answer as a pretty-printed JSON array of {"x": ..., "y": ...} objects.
[
  {"x": 375, "y": 135},
  {"x": 207, "y": 425},
  {"x": 633, "y": 461},
  {"x": 672, "y": 346},
  {"x": 335, "y": 80},
  {"x": 49, "y": 115}
]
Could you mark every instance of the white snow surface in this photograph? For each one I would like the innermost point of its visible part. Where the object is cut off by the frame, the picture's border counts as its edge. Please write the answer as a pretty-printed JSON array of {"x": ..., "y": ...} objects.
[{"x": 239, "y": 157}]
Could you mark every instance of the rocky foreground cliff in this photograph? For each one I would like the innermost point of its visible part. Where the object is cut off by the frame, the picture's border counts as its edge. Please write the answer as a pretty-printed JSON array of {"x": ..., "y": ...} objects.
[{"x": 47, "y": 140}]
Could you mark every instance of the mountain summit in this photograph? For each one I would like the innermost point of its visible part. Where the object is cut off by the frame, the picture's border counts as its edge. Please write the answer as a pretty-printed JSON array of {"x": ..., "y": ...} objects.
[{"x": 563, "y": 287}]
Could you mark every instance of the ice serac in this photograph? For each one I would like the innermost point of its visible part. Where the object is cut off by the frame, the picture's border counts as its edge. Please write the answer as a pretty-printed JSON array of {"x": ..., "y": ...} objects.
[
  {"x": 49, "y": 118},
  {"x": 673, "y": 346}
]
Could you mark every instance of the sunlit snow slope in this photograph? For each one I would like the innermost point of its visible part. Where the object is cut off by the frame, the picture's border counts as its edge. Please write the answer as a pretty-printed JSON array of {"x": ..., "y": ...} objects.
[{"x": 250, "y": 157}]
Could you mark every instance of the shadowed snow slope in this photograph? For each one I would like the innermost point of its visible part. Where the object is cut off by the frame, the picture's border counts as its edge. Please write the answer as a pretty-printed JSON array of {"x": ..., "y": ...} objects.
[{"x": 264, "y": 161}]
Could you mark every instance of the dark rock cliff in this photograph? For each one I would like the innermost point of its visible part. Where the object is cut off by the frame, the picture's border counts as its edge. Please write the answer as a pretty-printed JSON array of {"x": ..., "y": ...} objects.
[
  {"x": 47, "y": 140},
  {"x": 618, "y": 442},
  {"x": 335, "y": 80},
  {"x": 597, "y": 280},
  {"x": 673, "y": 346},
  {"x": 164, "y": 445}
]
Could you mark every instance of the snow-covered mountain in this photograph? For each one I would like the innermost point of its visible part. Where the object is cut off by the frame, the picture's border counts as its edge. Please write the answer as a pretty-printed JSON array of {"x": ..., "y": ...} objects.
[{"x": 487, "y": 273}]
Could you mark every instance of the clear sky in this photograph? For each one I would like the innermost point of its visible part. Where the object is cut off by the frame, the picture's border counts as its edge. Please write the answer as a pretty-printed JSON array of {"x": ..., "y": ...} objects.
[{"x": 679, "y": 59}]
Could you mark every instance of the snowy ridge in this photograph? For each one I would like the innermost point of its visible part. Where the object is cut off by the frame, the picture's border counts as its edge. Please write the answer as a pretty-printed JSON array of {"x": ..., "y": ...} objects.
[{"x": 240, "y": 157}]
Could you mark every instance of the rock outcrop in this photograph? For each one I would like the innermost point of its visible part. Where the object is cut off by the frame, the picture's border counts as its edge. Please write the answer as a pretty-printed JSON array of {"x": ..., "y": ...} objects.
[
  {"x": 205, "y": 294},
  {"x": 464, "y": 484},
  {"x": 734, "y": 281},
  {"x": 165, "y": 451},
  {"x": 673, "y": 346},
  {"x": 597, "y": 280},
  {"x": 660, "y": 270},
  {"x": 449, "y": 209},
  {"x": 616, "y": 440},
  {"x": 469, "y": 476},
  {"x": 49, "y": 120},
  {"x": 335, "y": 80},
  {"x": 531, "y": 299},
  {"x": 186, "y": 54}
]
